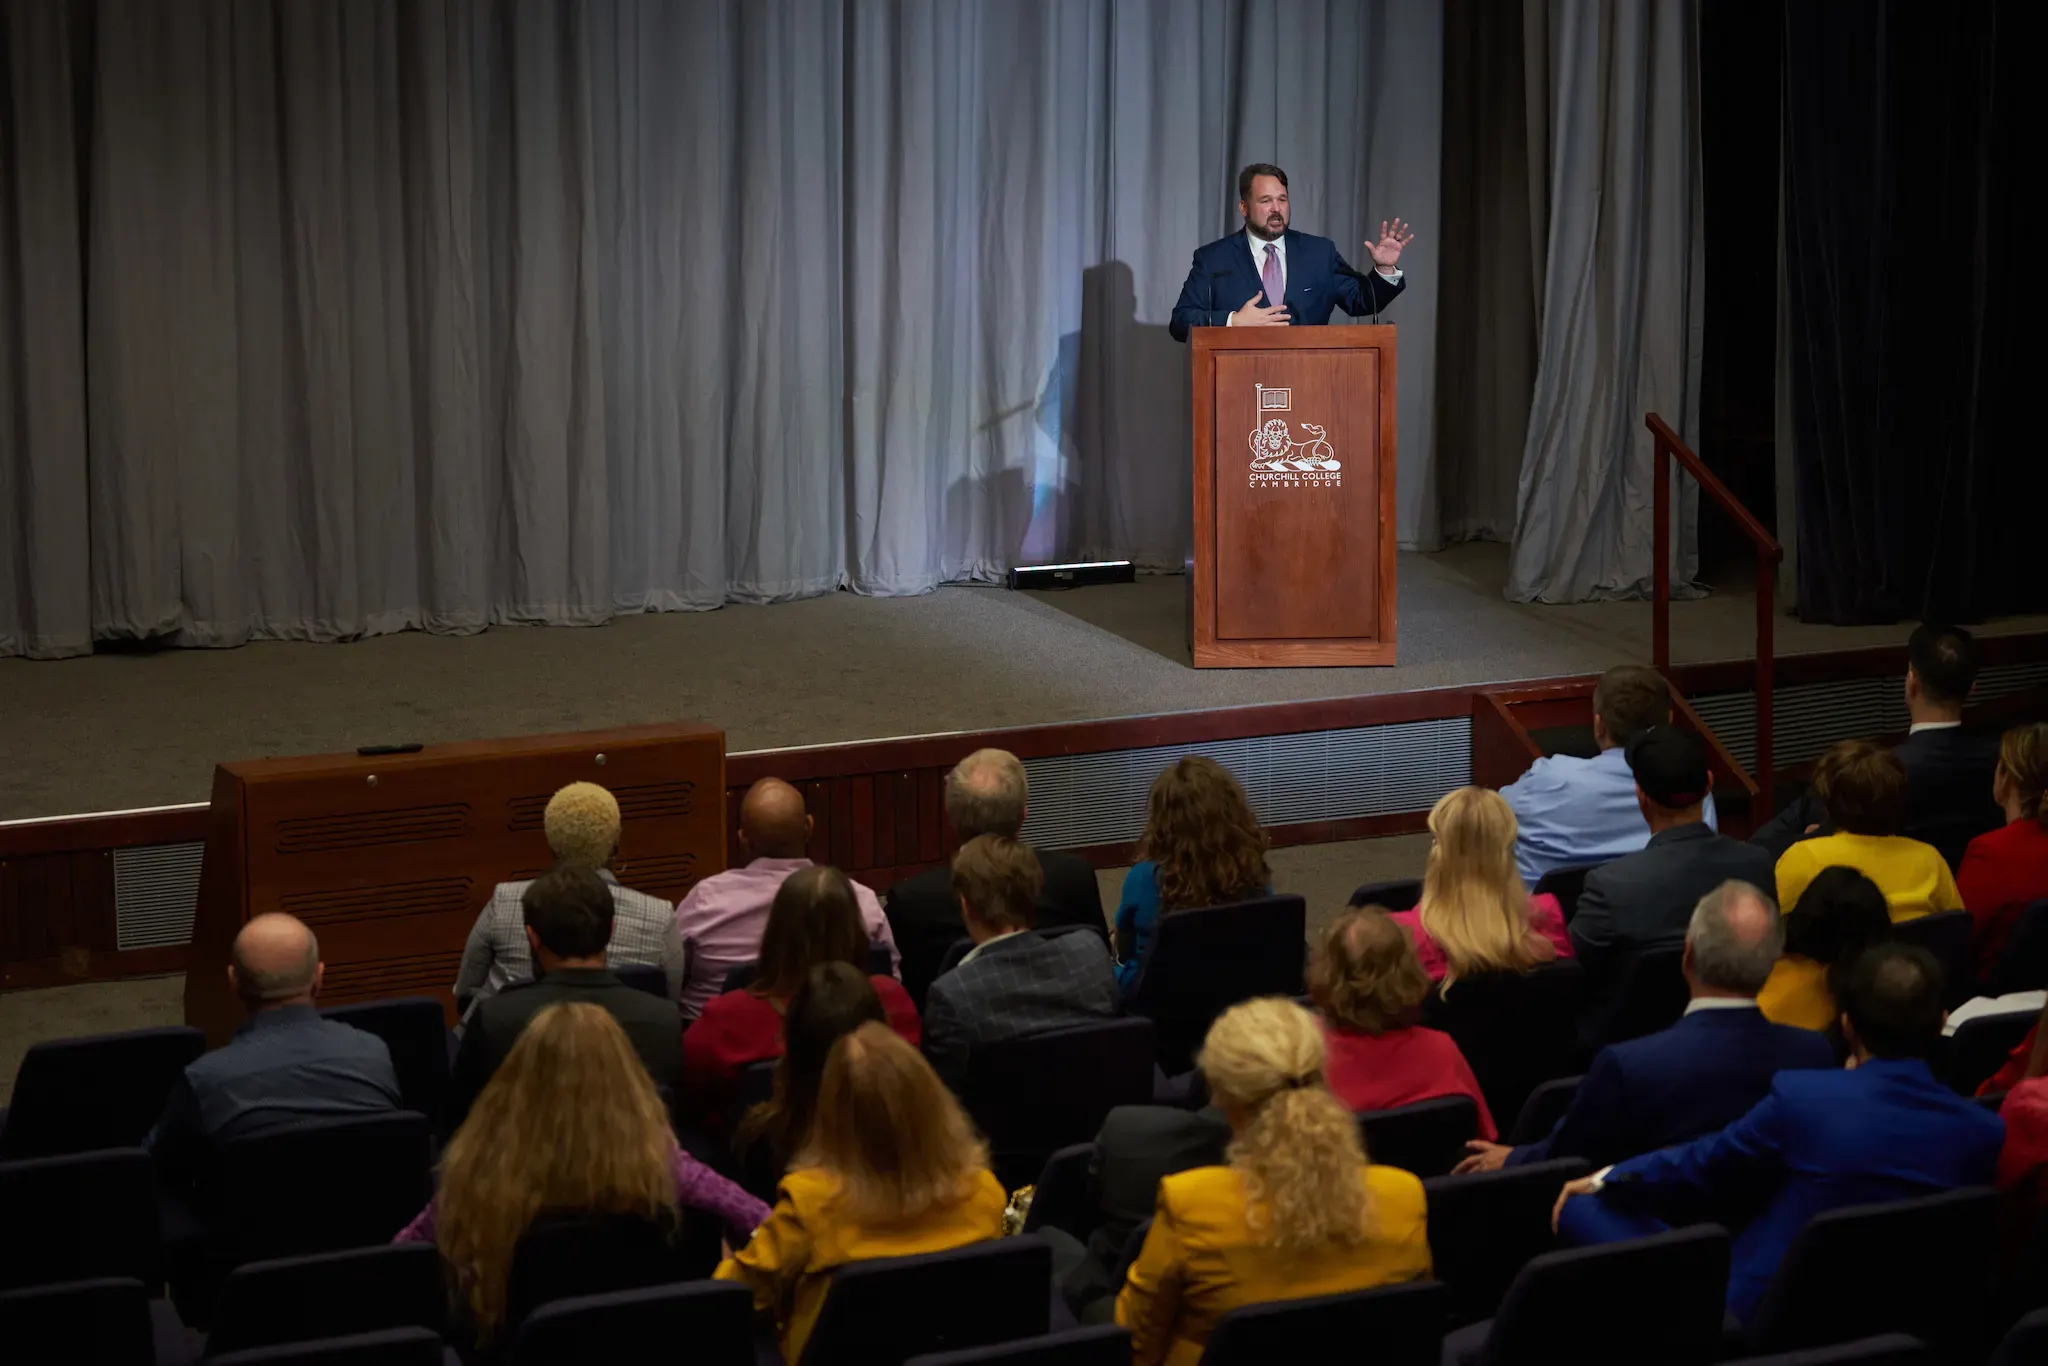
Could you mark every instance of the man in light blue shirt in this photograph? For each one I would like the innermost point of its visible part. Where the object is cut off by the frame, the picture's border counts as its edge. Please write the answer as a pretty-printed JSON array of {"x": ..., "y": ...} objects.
[{"x": 1573, "y": 812}]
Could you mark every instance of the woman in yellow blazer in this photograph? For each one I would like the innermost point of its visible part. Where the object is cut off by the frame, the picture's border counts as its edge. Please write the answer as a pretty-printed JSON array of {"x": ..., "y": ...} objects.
[
  {"x": 1863, "y": 786},
  {"x": 1298, "y": 1212},
  {"x": 892, "y": 1168}
]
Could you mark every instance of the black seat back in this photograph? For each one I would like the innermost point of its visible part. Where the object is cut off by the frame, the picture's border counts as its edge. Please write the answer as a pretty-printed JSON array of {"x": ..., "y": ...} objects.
[
  {"x": 415, "y": 1030},
  {"x": 1546, "y": 1105},
  {"x": 1518, "y": 1030},
  {"x": 1486, "y": 1226},
  {"x": 1199, "y": 963},
  {"x": 330, "y": 1294},
  {"x": 1404, "y": 1325},
  {"x": 87, "y": 1216},
  {"x": 1034, "y": 1095},
  {"x": 1427, "y": 1138},
  {"x": 566, "y": 1253},
  {"x": 707, "y": 1321},
  {"x": 1661, "y": 1299},
  {"x": 104, "y": 1321},
  {"x": 2025, "y": 1343},
  {"x": 1401, "y": 894},
  {"x": 1948, "y": 936},
  {"x": 1063, "y": 1196},
  {"x": 1565, "y": 884},
  {"x": 883, "y": 1312},
  {"x": 1104, "y": 1346},
  {"x": 1981, "y": 1045},
  {"x": 2023, "y": 965},
  {"x": 1652, "y": 997},
  {"x": 102, "y": 1091},
  {"x": 387, "y": 1347},
  {"x": 373, "y": 1175},
  {"x": 653, "y": 981}
]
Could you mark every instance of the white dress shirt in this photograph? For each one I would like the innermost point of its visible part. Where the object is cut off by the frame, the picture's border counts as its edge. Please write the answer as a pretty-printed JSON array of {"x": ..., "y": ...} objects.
[
  {"x": 1919, "y": 726},
  {"x": 1258, "y": 245}
]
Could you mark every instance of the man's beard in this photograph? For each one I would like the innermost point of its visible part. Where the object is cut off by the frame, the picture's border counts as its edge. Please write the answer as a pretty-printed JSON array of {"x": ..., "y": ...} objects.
[{"x": 1266, "y": 233}]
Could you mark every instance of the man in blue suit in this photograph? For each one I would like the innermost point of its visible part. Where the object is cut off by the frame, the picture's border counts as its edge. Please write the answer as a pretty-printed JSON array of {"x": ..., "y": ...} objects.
[
  {"x": 1882, "y": 1130},
  {"x": 1704, "y": 1072},
  {"x": 1271, "y": 276}
]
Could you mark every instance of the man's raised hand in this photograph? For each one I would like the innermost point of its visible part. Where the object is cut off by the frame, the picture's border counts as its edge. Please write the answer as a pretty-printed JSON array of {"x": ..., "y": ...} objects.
[
  {"x": 1386, "y": 252},
  {"x": 1255, "y": 314}
]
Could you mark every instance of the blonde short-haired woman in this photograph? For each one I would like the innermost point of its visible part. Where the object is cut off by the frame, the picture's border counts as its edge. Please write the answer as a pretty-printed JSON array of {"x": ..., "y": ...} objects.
[
  {"x": 1476, "y": 916},
  {"x": 1298, "y": 1211}
]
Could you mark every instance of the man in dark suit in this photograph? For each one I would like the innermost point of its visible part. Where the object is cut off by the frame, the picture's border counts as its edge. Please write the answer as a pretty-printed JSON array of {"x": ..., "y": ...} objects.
[
  {"x": 1016, "y": 981},
  {"x": 1884, "y": 1129},
  {"x": 1645, "y": 900},
  {"x": 1138, "y": 1145},
  {"x": 568, "y": 925},
  {"x": 1704, "y": 1071},
  {"x": 1948, "y": 765},
  {"x": 1271, "y": 276},
  {"x": 987, "y": 793}
]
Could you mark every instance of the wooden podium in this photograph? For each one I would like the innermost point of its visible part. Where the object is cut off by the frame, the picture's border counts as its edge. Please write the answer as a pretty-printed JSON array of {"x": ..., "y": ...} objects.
[{"x": 1294, "y": 496}]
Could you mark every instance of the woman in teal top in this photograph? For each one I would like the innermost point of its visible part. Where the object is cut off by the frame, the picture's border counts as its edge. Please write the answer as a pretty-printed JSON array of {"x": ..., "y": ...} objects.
[{"x": 1202, "y": 846}]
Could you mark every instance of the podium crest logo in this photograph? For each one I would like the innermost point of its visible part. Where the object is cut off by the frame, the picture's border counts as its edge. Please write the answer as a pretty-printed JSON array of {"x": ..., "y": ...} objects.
[{"x": 1279, "y": 461}]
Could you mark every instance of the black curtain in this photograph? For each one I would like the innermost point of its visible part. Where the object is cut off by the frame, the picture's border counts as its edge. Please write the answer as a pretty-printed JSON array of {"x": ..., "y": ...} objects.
[{"x": 1911, "y": 143}]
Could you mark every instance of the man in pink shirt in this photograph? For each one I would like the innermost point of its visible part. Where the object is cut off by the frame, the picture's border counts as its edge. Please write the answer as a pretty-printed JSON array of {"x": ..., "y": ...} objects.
[{"x": 722, "y": 918}]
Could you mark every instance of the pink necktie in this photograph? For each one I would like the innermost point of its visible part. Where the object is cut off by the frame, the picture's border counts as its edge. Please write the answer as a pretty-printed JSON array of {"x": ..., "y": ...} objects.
[{"x": 1270, "y": 277}]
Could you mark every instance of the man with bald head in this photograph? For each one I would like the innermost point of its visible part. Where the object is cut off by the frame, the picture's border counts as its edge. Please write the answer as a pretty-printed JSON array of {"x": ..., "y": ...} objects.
[
  {"x": 1703, "y": 1072},
  {"x": 722, "y": 918},
  {"x": 285, "y": 1064}
]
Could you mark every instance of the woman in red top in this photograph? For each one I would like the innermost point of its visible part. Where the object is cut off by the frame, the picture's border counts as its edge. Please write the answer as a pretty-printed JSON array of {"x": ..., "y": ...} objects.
[
  {"x": 1476, "y": 916},
  {"x": 2006, "y": 868},
  {"x": 813, "y": 920},
  {"x": 2023, "y": 1164},
  {"x": 1368, "y": 987}
]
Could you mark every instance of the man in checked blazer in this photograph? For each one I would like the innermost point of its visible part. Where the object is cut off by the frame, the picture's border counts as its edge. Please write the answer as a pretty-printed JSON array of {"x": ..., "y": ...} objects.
[{"x": 1016, "y": 981}]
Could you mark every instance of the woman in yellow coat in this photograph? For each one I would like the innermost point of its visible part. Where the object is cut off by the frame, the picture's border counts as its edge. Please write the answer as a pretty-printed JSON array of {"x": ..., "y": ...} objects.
[{"x": 1297, "y": 1212}]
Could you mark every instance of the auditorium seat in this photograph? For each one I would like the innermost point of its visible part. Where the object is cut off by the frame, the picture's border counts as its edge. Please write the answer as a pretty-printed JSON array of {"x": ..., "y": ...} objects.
[
  {"x": 1979, "y": 1047},
  {"x": 1402, "y": 1324},
  {"x": 2025, "y": 1344},
  {"x": 1427, "y": 1138},
  {"x": 87, "y": 1216},
  {"x": 1201, "y": 962},
  {"x": 1566, "y": 884},
  {"x": 566, "y": 1253},
  {"x": 1889, "y": 1349},
  {"x": 699, "y": 1321},
  {"x": 1034, "y": 1095},
  {"x": 319, "y": 1186},
  {"x": 1063, "y": 1196},
  {"x": 329, "y": 1294},
  {"x": 415, "y": 1029},
  {"x": 1546, "y": 1105},
  {"x": 1104, "y": 1346},
  {"x": 1518, "y": 1030},
  {"x": 1651, "y": 997},
  {"x": 1923, "y": 1266},
  {"x": 104, "y": 1322},
  {"x": 1484, "y": 1227},
  {"x": 2023, "y": 965},
  {"x": 653, "y": 981},
  {"x": 1657, "y": 1299},
  {"x": 1948, "y": 936},
  {"x": 1400, "y": 894},
  {"x": 391, "y": 1347},
  {"x": 100, "y": 1091},
  {"x": 885, "y": 1311}
]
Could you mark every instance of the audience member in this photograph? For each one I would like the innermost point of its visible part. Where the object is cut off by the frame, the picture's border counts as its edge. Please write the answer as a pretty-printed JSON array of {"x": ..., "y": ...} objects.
[
  {"x": 2023, "y": 1162},
  {"x": 568, "y": 923},
  {"x": 1016, "y": 981},
  {"x": 1864, "y": 788},
  {"x": 1702, "y": 1073},
  {"x": 1202, "y": 846},
  {"x": 814, "y": 919},
  {"x": 834, "y": 999},
  {"x": 1645, "y": 900},
  {"x": 1883, "y": 1129},
  {"x": 570, "y": 1122},
  {"x": 1840, "y": 914},
  {"x": 285, "y": 1063},
  {"x": 1476, "y": 915},
  {"x": 1573, "y": 812},
  {"x": 892, "y": 1168},
  {"x": 1369, "y": 988},
  {"x": 582, "y": 826},
  {"x": 2005, "y": 869},
  {"x": 1297, "y": 1212},
  {"x": 1137, "y": 1147},
  {"x": 987, "y": 793},
  {"x": 724, "y": 916}
]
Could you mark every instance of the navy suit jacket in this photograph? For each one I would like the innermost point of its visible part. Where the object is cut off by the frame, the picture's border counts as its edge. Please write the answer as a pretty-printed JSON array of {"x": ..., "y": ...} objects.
[
  {"x": 1704, "y": 1072},
  {"x": 1820, "y": 1141},
  {"x": 1223, "y": 277}
]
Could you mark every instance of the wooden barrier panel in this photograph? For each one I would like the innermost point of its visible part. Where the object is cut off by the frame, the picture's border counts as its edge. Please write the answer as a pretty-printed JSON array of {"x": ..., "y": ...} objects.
[{"x": 390, "y": 857}]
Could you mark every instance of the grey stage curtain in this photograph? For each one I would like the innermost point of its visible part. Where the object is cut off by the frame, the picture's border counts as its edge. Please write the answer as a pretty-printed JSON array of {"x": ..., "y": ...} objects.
[
  {"x": 325, "y": 319},
  {"x": 1620, "y": 320}
]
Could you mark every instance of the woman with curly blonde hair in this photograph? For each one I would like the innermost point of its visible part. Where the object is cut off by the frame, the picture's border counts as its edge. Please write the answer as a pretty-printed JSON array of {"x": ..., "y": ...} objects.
[
  {"x": 1202, "y": 846},
  {"x": 1476, "y": 916},
  {"x": 1297, "y": 1212},
  {"x": 570, "y": 1121}
]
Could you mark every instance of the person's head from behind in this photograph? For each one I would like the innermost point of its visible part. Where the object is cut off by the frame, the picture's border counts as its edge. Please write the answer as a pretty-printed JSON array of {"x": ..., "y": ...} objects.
[
  {"x": 833, "y": 999},
  {"x": 569, "y": 1121},
  {"x": 2022, "y": 773},
  {"x": 1202, "y": 834},
  {"x": 773, "y": 822},
  {"x": 1839, "y": 915},
  {"x": 1863, "y": 786},
  {"x": 890, "y": 1131},
  {"x": 1891, "y": 1003},
  {"x": 987, "y": 794},
  {"x": 1364, "y": 975},
  {"x": 1671, "y": 773},
  {"x": 1474, "y": 904},
  {"x": 1733, "y": 942},
  {"x": 582, "y": 825},
  {"x": 1262, "y": 199},
  {"x": 568, "y": 914},
  {"x": 814, "y": 919},
  {"x": 997, "y": 881},
  {"x": 275, "y": 962},
  {"x": 1293, "y": 1142},
  {"x": 1941, "y": 668},
  {"x": 1629, "y": 699}
]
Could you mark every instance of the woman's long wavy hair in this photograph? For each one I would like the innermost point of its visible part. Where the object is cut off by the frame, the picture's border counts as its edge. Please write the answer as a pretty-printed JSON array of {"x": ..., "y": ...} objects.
[
  {"x": 1474, "y": 903},
  {"x": 2023, "y": 762},
  {"x": 1298, "y": 1148},
  {"x": 569, "y": 1121},
  {"x": 1200, "y": 831},
  {"x": 835, "y": 998},
  {"x": 813, "y": 919}
]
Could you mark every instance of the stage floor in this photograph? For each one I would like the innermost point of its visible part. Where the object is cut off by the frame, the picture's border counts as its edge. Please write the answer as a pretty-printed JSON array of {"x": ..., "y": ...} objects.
[{"x": 125, "y": 730}]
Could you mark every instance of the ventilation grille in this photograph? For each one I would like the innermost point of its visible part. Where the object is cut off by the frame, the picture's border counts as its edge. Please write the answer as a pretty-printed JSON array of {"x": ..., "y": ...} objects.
[
  {"x": 1090, "y": 799},
  {"x": 156, "y": 889},
  {"x": 380, "y": 903},
  {"x": 1808, "y": 719},
  {"x": 658, "y": 873},
  {"x": 315, "y": 834},
  {"x": 646, "y": 801},
  {"x": 419, "y": 974}
]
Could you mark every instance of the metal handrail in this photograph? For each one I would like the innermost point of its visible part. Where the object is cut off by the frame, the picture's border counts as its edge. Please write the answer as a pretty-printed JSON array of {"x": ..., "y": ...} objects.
[{"x": 1769, "y": 554}]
